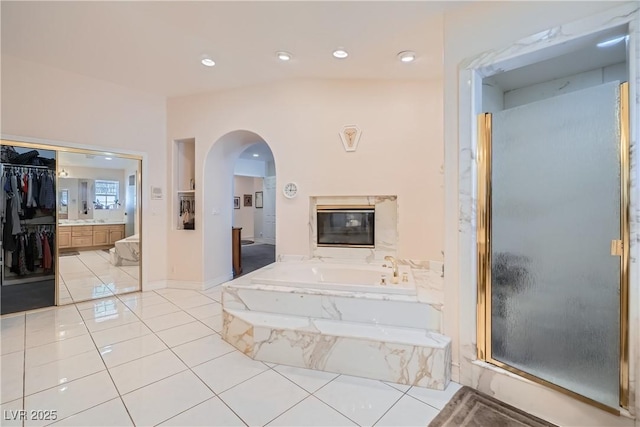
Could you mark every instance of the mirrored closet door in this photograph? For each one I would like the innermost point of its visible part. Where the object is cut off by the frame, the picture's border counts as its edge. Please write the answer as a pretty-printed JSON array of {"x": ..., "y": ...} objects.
[
  {"x": 98, "y": 225},
  {"x": 27, "y": 227}
]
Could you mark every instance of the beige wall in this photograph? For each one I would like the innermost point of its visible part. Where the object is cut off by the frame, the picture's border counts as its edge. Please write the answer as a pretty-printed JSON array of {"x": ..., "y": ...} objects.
[
  {"x": 245, "y": 216},
  {"x": 400, "y": 153},
  {"x": 69, "y": 109}
]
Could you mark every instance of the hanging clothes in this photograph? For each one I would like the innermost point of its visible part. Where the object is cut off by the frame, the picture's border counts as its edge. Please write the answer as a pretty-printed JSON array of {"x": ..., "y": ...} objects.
[{"x": 47, "y": 257}]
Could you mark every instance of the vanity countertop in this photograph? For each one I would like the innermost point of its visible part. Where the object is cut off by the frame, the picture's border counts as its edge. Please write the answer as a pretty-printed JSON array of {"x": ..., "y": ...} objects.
[{"x": 68, "y": 223}]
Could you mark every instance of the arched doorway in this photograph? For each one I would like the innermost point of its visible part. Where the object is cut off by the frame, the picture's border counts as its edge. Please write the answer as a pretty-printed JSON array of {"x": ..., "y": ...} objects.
[
  {"x": 254, "y": 207},
  {"x": 225, "y": 155}
]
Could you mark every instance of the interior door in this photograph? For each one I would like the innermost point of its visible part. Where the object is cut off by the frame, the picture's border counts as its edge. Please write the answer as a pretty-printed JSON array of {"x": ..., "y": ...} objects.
[
  {"x": 132, "y": 204},
  {"x": 555, "y": 224}
]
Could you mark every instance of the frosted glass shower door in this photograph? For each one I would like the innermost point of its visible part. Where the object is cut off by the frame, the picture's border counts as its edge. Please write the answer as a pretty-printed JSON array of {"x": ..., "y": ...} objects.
[{"x": 555, "y": 208}]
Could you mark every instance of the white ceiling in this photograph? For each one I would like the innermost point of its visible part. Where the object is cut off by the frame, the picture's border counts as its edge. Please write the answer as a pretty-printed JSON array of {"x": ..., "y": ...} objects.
[
  {"x": 261, "y": 149},
  {"x": 66, "y": 159},
  {"x": 156, "y": 47}
]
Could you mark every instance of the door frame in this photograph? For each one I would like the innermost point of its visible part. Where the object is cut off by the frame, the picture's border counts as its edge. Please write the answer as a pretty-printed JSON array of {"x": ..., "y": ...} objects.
[
  {"x": 484, "y": 308},
  {"x": 46, "y": 145}
]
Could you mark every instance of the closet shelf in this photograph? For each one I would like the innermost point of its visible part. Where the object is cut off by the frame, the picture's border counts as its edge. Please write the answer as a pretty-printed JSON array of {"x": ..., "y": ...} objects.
[{"x": 186, "y": 191}]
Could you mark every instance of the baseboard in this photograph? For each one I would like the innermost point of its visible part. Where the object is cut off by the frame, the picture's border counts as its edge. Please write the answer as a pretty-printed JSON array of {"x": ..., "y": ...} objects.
[
  {"x": 156, "y": 284},
  {"x": 198, "y": 286},
  {"x": 217, "y": 281},
  {"x": 184, "y": 284}
]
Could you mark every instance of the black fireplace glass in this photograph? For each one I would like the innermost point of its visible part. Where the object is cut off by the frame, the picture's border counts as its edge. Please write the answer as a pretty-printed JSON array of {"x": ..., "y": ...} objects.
[{"x": 346, "y": 227}]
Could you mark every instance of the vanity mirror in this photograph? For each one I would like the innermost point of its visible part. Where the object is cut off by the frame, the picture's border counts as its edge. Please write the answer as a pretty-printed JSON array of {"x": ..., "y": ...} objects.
[{"x": 98, "y": 238}]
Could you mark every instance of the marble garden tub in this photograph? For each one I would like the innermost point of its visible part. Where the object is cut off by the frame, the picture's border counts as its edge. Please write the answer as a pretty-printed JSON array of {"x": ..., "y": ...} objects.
[
  {"x": 339, "y": 277},
  {"x": 338, "y": 317}
]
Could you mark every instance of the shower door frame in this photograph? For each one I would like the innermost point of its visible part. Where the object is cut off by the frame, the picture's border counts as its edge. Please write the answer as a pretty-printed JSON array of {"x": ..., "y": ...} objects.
[{"x": 483, "y": 231}]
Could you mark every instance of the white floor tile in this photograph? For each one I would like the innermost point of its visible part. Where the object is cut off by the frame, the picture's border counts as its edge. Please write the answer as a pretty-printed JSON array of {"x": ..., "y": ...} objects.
[
  {"x": 72, "y": 398},
  {"x": 105, "y": 322},
  {"x": 214, "y": 293},
  {"x": 229, "y": 370},
  {"x": 13, "y": 344},
  {"x": 135, "y": 348},
  {"x": 248, "y": 399},
  {"x": 312, "y": 412},
  {"x": 55, "y": 315},
  {"x": 138, "y": 298},
  {"x": 172, "y": 294},
  {"x": 112, "y": 413},
  {"x": 62, "y": 371},
  {"x": 214, "y": 322},
  {"x": 141, "y": 372},
  {"x": 165, "y": 399},
  {"x": 12, "y": 330},
  {"x": 36, "y": 356},
  {"x": 308, "y": 379},
  {"x": 436, "y": 398},
  {"x": 192, "y": 302},
  {"x": 11, "y": 382},
  {"x": 53, "y": 333},
  {"x": 9, "y": 322},
  {"x": 184, "y": 333},
  {"x": 120, "y": 333},
  {"x": 401, "y": 387},
  {"x": 361, "y": 400},
  {"x": 148, "y": 311},
  {"x": 408, "y": 412},
  {"x": 213, "y": 411},
  {"x": 12, "y": 414},
  {"x": 201, "y": 350},
  {"x": 206, "y": 310},
  {"x": 167, "y": 321}
]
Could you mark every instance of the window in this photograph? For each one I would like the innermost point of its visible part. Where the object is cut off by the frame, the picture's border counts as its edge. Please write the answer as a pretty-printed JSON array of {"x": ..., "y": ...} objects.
[{"x": 107, "y": 194}]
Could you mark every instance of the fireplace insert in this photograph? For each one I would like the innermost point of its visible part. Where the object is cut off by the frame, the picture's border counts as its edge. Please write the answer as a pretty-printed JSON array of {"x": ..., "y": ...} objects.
[{"x": 346, "y": 226}]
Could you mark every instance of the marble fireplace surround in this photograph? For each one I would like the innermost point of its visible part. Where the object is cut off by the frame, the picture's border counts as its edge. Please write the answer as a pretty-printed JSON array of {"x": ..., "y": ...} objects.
[
  {"x": 386, "y": 227},
  {"x": 539, "y": 400}
]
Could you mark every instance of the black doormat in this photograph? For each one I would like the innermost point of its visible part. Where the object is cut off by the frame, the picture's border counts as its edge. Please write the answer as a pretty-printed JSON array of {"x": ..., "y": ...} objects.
[
  {"x": 69, "y": 253},
  {"x": 470, "y": 408},
  {"x": 246, "y": 242},
  {"x": 27, "y": 296}
]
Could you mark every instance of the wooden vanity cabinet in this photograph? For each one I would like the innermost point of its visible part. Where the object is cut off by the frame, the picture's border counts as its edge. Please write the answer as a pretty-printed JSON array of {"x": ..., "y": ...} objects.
[
  {"x": 116, "y": 232},
  {"x": 64, "y": 237},
  {"x": 89, "y": 236},
  {"x": 100, "y": 236}
]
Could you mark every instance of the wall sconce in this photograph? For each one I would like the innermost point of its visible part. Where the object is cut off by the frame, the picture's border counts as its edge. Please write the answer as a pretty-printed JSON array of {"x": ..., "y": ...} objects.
[{"x": 63, "y": 174}]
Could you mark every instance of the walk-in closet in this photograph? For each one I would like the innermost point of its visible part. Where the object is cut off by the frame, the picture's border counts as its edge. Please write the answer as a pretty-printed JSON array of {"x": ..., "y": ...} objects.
[
  {"x": 69, "y": 225},
  {"x": 28, "y": 224}
]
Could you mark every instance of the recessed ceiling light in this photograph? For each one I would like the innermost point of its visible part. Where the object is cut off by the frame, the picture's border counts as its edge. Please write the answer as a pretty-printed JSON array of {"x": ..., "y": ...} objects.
[
  {"x": 613, "y": 41},
  {"x": 107, "y": 158},
  {"x": 407, "y": 56},
  {"x": 283, "y": 56},
  {"x": 340, "y": 53},
  {"x": 208, "y": 62},
  {"x": 256, "y": 155}
]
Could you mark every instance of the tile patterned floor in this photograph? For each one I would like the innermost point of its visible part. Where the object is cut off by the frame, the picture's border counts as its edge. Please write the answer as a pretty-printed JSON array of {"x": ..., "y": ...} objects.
[
  {"x": 156, "y": 358},
  {"x": 91, "y": 275}
]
